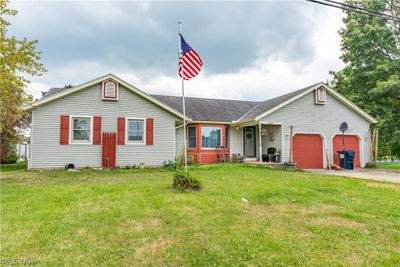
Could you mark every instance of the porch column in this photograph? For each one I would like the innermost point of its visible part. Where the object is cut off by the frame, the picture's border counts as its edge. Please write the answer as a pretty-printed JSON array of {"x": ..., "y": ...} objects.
[{"x": 259, "y": 141}]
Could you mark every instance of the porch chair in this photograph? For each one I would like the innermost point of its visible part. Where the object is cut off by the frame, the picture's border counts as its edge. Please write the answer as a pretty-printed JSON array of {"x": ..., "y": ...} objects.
[
  {"x": 272, "y": 157},
  {"x": 222, "y": 156},
  {"x": 236, "y": 157}
]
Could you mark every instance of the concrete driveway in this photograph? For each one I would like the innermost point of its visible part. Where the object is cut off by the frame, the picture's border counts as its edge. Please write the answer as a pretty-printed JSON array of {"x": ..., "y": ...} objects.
[{"x": 392, "y": 176}]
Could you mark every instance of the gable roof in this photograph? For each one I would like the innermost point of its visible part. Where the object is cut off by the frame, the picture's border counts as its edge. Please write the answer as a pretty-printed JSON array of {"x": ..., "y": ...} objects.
[
  {"x": 208, "y": 109},
  {"x": 266, "y": 105},
  {"x": 54, "y": 90},
  {"x": 302, "y": 92},
  {"x": 56, "y": 93},
  {"x": 237, "y": 111}
]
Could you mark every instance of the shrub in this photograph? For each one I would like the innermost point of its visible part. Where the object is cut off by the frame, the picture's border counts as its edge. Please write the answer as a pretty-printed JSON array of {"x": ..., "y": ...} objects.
[
  {"x": 185, "y": 181},
  {"x": 11, "y": 158},
  {"x": 180, "y": 161},
  {"x": 371, "y": 165},
  {"x": 190, "y": 159},
  {"x": 170, "y": 164},
  {"x": 288, "y": 166}
]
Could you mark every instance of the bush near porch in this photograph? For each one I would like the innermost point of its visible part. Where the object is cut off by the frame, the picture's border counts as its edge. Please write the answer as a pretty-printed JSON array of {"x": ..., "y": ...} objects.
[{"x": 134, "y": 217}]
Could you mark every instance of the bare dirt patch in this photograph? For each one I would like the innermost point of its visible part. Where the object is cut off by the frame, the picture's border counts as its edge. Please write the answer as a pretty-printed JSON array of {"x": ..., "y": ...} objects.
[
  {"x": 135, "y": 225},
  {"x": 153, "y": 249},
  {"x": 317, "y": 209},
  {"x": 267, "y": 211},
  {"x": 81, "y": 231},
  {"x": 337, "y": 221},
  {"x": 282, "y": 209},
  {"x": 385, "y": 186}
]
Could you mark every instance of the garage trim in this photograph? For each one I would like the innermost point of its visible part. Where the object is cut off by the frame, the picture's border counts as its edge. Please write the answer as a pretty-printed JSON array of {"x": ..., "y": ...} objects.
[
  {"x": 324, "y": 165},
  {"x": 360, "y": 146}
]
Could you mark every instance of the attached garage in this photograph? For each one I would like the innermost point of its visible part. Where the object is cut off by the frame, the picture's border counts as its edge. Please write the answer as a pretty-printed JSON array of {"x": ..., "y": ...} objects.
[
  {"x": 308, "y": 151},
  {"x": 351, "y": 142}
]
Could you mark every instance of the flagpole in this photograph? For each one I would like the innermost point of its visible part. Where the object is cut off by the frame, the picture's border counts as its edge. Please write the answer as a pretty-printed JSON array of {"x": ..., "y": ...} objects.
[{"x": 183, "y": 96}]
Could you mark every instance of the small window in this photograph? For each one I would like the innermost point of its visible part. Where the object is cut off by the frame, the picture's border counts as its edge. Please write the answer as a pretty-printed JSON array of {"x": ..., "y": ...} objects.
[
  {"x": 320, "y": 96},
  {"x": 192, "y": 136},
  {"x": 135, "y": 130},
  {"x": 210, "y": 137},
  {"x": 227, "y": 137},
  {"x": 110, "y": 90},
  {"x": 81, "y": 130}
]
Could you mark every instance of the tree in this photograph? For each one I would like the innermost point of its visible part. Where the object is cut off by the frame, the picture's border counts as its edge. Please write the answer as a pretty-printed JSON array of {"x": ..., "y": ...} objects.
[
  {"x": 371, "y": 78},
  {"x": 18, "y": 57}
]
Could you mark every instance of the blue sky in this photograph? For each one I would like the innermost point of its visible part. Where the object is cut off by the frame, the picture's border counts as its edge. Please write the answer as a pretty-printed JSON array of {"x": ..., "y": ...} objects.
[{"x": 250, "y": 50}]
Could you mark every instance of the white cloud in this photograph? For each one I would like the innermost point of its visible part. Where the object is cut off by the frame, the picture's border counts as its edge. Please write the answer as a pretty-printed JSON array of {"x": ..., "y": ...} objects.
[
  {"x": 268, "y": 76},
  {"x": 35, "y": 89}
]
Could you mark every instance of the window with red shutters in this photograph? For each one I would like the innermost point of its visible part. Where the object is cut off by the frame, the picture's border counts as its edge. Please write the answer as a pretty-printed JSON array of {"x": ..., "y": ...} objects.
[
  {"x": 121, "y": 131},
  {"x": 64, "y": 129},
  {"x": 149, "y": 131},
  {"x": 97, "y": 130}
]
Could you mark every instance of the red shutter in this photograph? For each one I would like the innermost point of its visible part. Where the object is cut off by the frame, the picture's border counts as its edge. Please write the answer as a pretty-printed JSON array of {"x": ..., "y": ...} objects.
[
  {"x": 64, "y": 129},
  {"x": 96, "y": 130},
  {"x": 121, "y": 131},
  {"x": 149, "y": 131}
]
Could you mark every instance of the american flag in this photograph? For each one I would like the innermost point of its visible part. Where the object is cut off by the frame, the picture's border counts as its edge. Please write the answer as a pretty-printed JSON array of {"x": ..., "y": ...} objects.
[{"x": 190, "y": 62}]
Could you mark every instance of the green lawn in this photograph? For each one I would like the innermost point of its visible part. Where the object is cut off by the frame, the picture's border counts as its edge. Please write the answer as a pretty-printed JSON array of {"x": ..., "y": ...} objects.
[
  {"x": 14, "y": 167},
  {"x": 394, "y": 166},
  {"x": 134, "y": 218}
]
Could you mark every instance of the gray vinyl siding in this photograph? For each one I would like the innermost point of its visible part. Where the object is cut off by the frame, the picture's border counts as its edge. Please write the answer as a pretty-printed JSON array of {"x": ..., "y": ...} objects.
[
  {"x": 178, "y": 141},
  {"x": 46, "y": 151},
  {"x": 277, "y": 142},
  {"x": 235, "y": 142},
  {"x": 306, "y": 117}
]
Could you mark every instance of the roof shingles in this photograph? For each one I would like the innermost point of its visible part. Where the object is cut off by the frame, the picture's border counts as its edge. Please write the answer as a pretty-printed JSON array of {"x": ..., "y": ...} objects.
[
  {"x": 214, "y": 110},
  {"x": 206, "y": 109}
]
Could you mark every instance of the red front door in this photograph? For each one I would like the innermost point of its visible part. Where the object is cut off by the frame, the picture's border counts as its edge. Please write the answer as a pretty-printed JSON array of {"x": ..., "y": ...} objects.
[
  {"x": 351, "y": 142},
  {"x": 307, "y": 151},
  {"x": 109, "y": 142}
]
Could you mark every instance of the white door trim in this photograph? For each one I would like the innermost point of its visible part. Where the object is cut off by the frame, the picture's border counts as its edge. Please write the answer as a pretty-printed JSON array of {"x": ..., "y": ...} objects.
[{"x": 360, "y": 146}]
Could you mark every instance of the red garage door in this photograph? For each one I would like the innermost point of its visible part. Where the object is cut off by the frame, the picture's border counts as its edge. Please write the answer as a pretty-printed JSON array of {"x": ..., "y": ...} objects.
[
  {"x": 351, "y": 142},
  {"x": 307, "y": 151}
]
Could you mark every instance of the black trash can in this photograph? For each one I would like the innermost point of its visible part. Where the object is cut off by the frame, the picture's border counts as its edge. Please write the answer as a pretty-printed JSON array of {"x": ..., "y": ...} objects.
[
  {"x": 342, "y": 161},
  {"x": 346, "y": 158},
  {"x": 349, "y": 159}
]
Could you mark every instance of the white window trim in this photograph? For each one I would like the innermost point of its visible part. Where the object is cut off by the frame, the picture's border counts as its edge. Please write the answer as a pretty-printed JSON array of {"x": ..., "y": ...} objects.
[
  {"x": 71, "y": 128},
  {"x": 201, "y": 136},
  {"x": 317, "y": 100},
  {"x": 103, "y": 94},
  {"x": 126, "y": 132}
]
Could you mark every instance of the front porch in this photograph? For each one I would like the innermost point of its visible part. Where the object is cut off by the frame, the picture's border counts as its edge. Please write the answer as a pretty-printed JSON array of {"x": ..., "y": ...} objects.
[{"x": 262, "y": 143}]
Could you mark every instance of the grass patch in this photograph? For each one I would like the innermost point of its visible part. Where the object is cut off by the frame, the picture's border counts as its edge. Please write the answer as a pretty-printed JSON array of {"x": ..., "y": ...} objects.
[
  {"x": 394, "y": 166},
  {"x": 20, "y": 166},
  {"x": 133, "y": 217}
]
